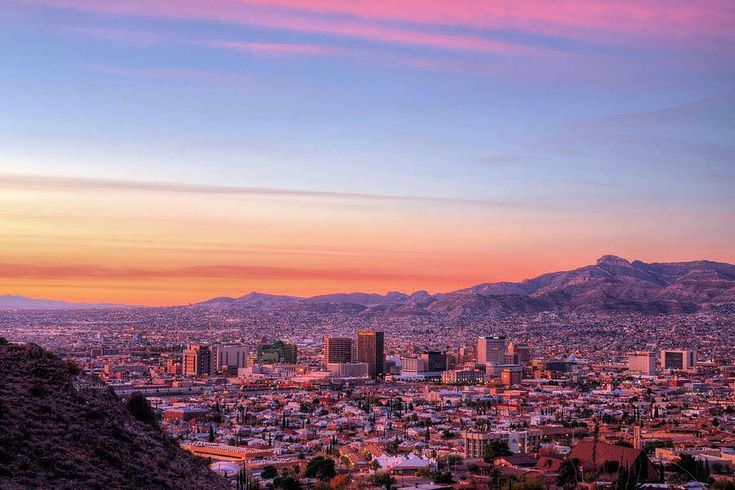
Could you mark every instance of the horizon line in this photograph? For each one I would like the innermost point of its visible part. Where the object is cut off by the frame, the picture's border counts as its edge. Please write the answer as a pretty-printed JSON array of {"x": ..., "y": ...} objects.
[{"x": 300, "y": 297}]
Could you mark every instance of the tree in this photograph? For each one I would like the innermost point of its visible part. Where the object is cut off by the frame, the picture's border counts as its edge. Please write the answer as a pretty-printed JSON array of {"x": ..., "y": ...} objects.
[
  {"x": 495, "y": 449},
  {"x": 623, "y": 481},
  {"x": 529, "y": 485},
  {"x": 286, "y": 483},
  {"x": 568, "y": 476},
  {"x": 211, "y": 435},
  {"x": 692, "y": 469},
  {"x": 269, "y": 472},
  {"x": 383, "y": 479},
  {"x": 609, "y": 467},
  {"x": 245, "y": 482},
  {"x": 340, "y": 482},
  {"x": 321, "y": 468},
  {"x": 442, "y": 477},
  {"x": 139, "y": 408}
]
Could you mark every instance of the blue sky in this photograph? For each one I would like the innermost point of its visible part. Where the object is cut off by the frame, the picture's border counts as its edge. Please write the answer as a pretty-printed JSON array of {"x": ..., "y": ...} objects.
[{"x": 622, "y": 111}]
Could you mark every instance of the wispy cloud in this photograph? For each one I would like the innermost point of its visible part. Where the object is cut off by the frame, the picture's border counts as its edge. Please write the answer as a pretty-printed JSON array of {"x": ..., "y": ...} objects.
[
  {"x": 419, "y": 22},
  {"x": 589, "y": 20},
  {"x": 41, "y": 183},
  {"x": 92, "y": 272},
  {"x": 124, "y": 36},
  {"x": 274, "y": 49},
  {"x": 438, "y": 62},
  {"x": 724, "y": 103},
  {"x": 166, "y": 73},
  {"x": 148, "y": 38},
  {"x": 312, "y": 21}
]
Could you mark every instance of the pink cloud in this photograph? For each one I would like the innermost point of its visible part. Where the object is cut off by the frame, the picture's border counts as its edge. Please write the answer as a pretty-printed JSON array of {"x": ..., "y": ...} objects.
[
  {"x": 261, "y": 15},
  {"x": 566, "y": 18},
  {"x": 406, "y": 21}
]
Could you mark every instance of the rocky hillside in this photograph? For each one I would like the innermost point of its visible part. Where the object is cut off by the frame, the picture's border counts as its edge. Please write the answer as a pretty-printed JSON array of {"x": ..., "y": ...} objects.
[
  {"x": 614, "y": 284},
  {"x": 65, "y": 430}
]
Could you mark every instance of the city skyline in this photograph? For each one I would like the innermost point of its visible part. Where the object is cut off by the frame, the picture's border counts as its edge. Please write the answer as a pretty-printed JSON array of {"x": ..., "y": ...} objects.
[
  {"x": 367, "y": 244},
  {"x": 155, "y": 155}
]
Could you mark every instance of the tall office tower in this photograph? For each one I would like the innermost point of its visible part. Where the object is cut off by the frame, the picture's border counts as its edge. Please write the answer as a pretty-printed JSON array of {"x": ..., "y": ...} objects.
[
  {"x": 679, "y": 360},
  {"x": 522, "y": 350},
  {"x": 229, "y": 357},
  {"x": 642, "y": 363},
  {"x": 370, "y": 349},
  {"x": 435, "y": 361},
  {"x": 290, "y": 354},
  {"x": 337, "y": 350},
  {"x": 491, "y": 349},
  {"x": 197, "y": 360}
]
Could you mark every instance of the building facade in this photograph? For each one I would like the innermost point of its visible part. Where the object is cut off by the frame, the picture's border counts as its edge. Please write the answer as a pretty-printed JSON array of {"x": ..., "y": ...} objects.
[
  {"x": 522, "y": 352},
  {"x": 229, "y": 357},
  {"x": 491, "y": 349},
  {"x": 476, "y": 441},
  {"x": 278, "y": 352},
  {"x": 678, "y": 360},
  {"x": 371, "y": 350},
  {"x": 197, "y": 360},
  {"x": 642, "y": 363},
  {"x": 348, "y": 369},
  {"x": 435, "y": 361},
  {"x": 337, "y": 350}
]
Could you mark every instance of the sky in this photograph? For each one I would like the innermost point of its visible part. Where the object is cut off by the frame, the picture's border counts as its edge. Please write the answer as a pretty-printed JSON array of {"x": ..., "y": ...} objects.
[{"x": 158, "y": 152}]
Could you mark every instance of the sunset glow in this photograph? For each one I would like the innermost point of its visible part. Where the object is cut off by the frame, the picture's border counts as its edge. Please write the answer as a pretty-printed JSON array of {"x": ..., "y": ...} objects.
[{"x": 165, "y": 152}]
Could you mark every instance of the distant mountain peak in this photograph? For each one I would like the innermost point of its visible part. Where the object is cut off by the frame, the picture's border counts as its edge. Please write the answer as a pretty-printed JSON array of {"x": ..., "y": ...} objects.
[
  {"x": 613, "y": 260},
  {"x": 15, "y": 302}
]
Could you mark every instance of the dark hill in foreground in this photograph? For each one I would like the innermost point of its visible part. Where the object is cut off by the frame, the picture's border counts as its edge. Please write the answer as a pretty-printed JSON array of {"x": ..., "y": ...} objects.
[{"x": 64, "y": 430}]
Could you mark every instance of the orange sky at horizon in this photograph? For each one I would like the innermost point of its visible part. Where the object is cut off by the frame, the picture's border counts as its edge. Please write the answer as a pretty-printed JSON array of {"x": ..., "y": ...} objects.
[
  {"x": 163, "y": 152},
  {"x": 101, "y": 241}
]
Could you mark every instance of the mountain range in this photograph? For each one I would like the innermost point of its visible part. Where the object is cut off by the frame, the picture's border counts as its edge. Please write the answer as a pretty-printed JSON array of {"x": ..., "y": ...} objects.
[
  {"x": 611, "y": 284},
  {"x": 14, "y": 302}
]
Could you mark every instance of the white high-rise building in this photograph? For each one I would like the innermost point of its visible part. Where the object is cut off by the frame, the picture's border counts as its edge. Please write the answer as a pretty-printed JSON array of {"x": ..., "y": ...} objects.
[
  {"x": 642, "y": 363},
  {"x": 229, "y": 357},
  {"x": 491, "y": 349}
]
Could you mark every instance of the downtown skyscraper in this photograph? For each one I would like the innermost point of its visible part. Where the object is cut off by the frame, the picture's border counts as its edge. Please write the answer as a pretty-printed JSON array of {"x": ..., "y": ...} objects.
[{"x": 370, "y": 350}]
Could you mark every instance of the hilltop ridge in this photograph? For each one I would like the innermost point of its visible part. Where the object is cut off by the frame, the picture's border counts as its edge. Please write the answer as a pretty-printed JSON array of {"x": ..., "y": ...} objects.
[{"x": 66, "y": 430}]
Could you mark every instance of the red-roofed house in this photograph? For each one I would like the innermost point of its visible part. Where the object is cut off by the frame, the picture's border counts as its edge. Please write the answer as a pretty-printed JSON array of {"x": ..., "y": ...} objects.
[{"x": 593, "y": 454}]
